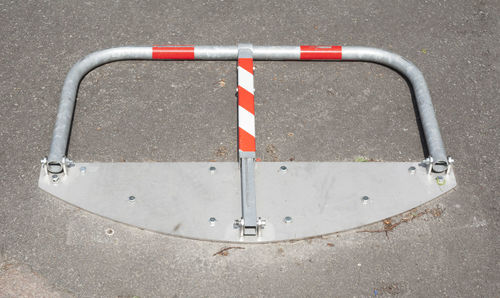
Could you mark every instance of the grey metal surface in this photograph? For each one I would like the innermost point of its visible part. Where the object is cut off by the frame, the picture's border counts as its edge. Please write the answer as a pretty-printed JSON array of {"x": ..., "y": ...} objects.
[
  {"x": 259, "y": 52},
  {"x": 180, "y": 198},
  {"x": 276, "y": 52},
  {"x": 245, "y": 50},
  {"x": 215, "y": 52},
  {"x": 248, "y": 196},
  {"x": 422, "y": 96}
]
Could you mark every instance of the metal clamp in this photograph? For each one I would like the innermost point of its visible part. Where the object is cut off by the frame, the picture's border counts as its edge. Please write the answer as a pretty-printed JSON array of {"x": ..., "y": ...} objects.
[
  {"x": 253, "y": 231},
  {"x": 56, "y": 168}
]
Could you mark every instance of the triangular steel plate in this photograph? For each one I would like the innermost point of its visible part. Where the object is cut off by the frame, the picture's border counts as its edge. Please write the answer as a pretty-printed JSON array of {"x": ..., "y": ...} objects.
[{"x": 179, "y": 198}]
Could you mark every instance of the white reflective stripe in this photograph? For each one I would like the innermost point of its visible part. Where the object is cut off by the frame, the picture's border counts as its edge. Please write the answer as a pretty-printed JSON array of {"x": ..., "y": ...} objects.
[
  {"x": 246, "y": 121},
  {"x": 245, "y": 79}
]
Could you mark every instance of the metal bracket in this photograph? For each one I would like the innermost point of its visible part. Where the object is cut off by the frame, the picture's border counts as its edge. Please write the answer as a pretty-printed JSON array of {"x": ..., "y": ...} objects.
[
  {"x": 55, "y": 171},
  {"x": 200, "y": 200}
]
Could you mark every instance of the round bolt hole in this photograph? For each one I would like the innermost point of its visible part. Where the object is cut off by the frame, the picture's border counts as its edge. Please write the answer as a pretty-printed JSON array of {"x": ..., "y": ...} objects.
[
  {"x": 365, "y": 199},
  {"x": 283, "y": 169},
  {"x": 287, "y": 219},
  {"x": 109, "y": 232},
  {"x": 212, "y": 221},
  {"x": 412, "y": 170},
  {"x": 212, "y": 170},
  {"x": 131, "y": 199}
]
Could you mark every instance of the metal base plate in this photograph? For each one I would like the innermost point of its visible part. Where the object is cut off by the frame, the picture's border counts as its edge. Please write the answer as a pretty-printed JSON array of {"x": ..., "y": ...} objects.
[{"x": 180, "y": 198}]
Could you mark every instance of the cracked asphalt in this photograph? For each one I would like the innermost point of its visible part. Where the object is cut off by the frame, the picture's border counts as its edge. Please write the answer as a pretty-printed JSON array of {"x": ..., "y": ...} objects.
[{"x": 306, "y": 111}]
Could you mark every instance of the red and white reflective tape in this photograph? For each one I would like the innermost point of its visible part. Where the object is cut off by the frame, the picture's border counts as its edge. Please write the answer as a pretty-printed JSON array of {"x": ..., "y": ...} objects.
[
  {"x": 320, "y": 52},
  {"x": 173, "y": 52},
  {"x": 190, "y": 52},
  {"x": 246, "y": 107}
]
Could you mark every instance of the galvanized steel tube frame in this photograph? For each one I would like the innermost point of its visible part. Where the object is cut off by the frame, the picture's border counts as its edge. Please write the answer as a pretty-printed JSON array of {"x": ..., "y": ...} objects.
[{"x": 430, "y": 126}]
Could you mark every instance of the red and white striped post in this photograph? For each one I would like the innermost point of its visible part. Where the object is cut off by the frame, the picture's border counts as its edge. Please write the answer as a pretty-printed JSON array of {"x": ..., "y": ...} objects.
[
  {"x": 246, "y": 106},
  {"x": 246, "y": 140}
]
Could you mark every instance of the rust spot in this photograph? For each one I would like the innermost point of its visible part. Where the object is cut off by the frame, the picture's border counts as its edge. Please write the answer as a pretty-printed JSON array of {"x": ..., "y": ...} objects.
[
  {"x": 390, "y": 225},
  {"x": 225, "y": 251},
  {"x": 177, "y": 226}
]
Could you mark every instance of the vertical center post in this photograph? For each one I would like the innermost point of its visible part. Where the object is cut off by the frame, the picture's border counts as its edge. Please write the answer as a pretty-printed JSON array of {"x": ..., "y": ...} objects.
[{"x": 249, "y": 224}]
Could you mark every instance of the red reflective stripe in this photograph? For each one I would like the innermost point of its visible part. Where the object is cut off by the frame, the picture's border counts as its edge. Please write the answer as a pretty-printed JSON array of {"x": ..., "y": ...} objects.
[
  {"x": 320, "y": 52},
  {"x": 246, "y": 141},
  {"x": 246, "y": 64},
  {"x": 173, "y": 52},
  {"x": 245, "y": 100}
]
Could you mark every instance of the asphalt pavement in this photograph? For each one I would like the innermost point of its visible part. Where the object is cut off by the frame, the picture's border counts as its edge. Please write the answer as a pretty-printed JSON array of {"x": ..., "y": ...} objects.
[{"x": 305, "y": 111}]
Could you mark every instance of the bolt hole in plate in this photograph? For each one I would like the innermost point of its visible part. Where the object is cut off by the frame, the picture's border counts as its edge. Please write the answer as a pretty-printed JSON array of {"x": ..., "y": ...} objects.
[{"x": 181, "y": 198}]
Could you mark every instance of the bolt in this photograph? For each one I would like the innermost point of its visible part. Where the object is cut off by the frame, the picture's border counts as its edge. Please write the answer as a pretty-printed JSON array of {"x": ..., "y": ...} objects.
[
  {"x": 71, "y": 163},
  {"x": 283, "y": 169},
  {"x": 261, "y": 223},
  {"x": 412, "y": 170},
  {"x": 44, "y": 162},
  {"x": 212, "y": 221},
  {"x": 131, "y": 199},
  {"x": 55, "y": 178},
  {"x": 440, "y": 180},
  {"x": 83, "y": 170},
  {"x": 212, "y": 170},
  {"x": 287, "y": 219},
  {"x": 428, "y": 160},
  {"x": 365, "y": 199},
  {"x": 450, "y": 163}
]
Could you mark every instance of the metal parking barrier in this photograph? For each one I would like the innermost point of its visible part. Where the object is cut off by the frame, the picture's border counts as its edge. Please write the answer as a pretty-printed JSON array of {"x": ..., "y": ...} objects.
[{"x": 247, "y": 201}]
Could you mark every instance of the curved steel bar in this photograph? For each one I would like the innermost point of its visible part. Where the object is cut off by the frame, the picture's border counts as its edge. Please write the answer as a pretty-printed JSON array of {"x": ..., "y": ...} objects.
[
  {"x": 81, "y": 68},
  {"x": 422, "y": 96},
  {"x": 62, "y": 127}
]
